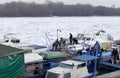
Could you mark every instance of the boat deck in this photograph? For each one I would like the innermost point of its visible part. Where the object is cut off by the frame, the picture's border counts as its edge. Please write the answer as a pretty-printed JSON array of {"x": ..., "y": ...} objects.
[
  {"x": 109, "y": 65},
  {"x": 115, "y": 74}
]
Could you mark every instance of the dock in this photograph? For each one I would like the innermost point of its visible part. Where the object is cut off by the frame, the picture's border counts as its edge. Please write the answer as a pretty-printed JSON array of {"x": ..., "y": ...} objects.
[{"x": 115, "y": 74}]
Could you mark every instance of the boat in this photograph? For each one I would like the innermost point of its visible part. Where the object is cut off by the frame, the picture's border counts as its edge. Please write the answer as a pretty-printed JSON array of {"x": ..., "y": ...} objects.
[
  {"x": 68, "y": 68},
  {"x": 86, "y": 40},
  {"x": 100, "y": 36},
  {"x": 11, "y": 39},
  {"x": 44, "y": 61},
  {"x": 75, "y": 68}
]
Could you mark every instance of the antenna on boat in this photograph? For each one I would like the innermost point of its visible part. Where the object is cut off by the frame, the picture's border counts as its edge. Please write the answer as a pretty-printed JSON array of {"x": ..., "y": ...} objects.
[
  {"x": 58, "y": 30},
  {"x": 47, "y": 40}
]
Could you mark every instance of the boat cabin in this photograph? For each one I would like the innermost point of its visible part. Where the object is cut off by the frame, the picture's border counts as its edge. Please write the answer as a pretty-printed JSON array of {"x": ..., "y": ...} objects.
[{"x": 68, "y": 69}]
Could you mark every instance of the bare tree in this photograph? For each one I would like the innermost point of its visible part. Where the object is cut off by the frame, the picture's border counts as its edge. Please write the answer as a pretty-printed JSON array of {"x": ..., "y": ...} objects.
[{"x": 18, "y": 9}]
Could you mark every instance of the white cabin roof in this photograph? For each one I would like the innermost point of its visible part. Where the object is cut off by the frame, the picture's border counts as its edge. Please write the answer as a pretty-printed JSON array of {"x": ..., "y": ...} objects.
[
  {"x": 32, "y": 57},
  {"x": 59, "y": 70},
  {"x": 71, "y": 62}
]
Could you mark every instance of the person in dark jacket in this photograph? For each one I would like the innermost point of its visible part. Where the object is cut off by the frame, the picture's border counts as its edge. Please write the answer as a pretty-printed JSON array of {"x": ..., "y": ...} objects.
[
  {"x": 115, "y": 55},
  {"x": 71, "y": 38},
  {"x": 56, "y": 45},
  {"x": 75, "y": 41}
]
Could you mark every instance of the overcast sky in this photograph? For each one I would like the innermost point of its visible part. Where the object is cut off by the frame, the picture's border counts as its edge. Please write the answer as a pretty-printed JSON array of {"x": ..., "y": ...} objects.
[{"x": 108, "y": 3}]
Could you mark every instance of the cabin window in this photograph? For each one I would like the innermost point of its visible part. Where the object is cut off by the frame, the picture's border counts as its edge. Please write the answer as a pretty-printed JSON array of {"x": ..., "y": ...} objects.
[
  {"x": 66, "y": 65},
  {"x": 81, "y": 65},
  {"x": 88, "y": 39},
  {"x": 67, "y": 75},
  {"x": 15, "y": 41},
  {"x": 52, "y": 75},
  {"x": 80, "y": 36},
  {"x": 6, "y": 40}
]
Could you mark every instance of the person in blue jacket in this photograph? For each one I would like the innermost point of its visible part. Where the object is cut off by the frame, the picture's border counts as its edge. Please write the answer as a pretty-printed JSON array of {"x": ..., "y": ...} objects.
[{"x": 56, "y": 45}]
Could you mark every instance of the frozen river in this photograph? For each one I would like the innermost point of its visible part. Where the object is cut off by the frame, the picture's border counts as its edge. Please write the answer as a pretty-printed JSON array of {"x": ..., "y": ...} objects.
[{"x": 32, "y": 29}]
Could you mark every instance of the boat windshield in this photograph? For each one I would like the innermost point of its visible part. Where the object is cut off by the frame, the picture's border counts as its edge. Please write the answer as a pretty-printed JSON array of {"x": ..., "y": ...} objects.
[
  {"x": 52, "y": 75},
  {"x": 66, "y": 66},
  {"x": 87, "y": 39}
]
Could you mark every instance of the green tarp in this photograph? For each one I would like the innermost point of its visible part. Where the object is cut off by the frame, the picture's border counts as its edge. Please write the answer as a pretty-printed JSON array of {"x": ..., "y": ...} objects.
[
  {"x": 53, "y": 55},
  {"x": 8, "y": 50},
  {"x": 12, "y": 66}
]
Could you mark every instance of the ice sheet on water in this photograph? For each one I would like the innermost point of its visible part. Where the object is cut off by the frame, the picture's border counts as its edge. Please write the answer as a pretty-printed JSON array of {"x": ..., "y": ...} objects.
[{"x": 32, "y": 30}]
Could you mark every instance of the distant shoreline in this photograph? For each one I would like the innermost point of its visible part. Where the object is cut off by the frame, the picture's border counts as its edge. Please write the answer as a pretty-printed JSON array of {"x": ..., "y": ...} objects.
[{"x": 23, "y": 9}]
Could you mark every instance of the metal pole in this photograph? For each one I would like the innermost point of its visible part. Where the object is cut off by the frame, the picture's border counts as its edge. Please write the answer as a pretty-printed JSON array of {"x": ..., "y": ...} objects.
[
  {"x": 95, "y": 61},
  {"x": 57, "y": 33},
  {"x": 47, "y": 37}
]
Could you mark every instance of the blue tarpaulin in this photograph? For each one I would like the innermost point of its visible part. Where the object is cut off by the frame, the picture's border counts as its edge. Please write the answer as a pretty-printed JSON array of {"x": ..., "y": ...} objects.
[
  {"x": 37, "y": 46},
  {"x": 85, "y": 58},
  {"x": 104, "y": 54}
]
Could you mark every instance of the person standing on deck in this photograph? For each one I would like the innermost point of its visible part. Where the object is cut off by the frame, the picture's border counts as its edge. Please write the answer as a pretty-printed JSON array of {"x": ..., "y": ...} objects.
[
  {"x": 62, "y": 44},
  {"x": 115, "y": 55},
  {"x": 75, "y": 41},
  {"x": 71, "y": 38},
  {"x": 56, "y": 45}
]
